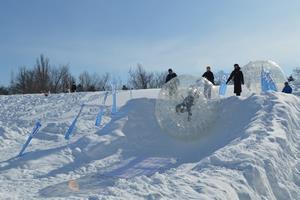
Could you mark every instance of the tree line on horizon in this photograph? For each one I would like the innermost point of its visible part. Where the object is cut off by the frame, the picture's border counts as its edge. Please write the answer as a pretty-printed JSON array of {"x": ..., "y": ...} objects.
[{"x": 44, "y": 77}]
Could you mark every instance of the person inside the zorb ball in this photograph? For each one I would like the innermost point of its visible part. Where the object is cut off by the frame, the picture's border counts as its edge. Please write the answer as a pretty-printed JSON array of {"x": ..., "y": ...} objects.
[{"x": 187, "y": 104}]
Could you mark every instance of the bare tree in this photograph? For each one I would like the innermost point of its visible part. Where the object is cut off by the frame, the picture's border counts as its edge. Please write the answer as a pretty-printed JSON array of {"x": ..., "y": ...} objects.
[
  {"x": 24, "y": 82},
  {"x": 158, "y": 80},
  {"x": 103, "y": 83},
  {"x": 85, "y": 80},
  {"x": 140, "y": 78},
  {"x": 43, "y": 77},
  {"x": 57, "y": 77},
  {"x": 94, "y": 82},
  {"x": 67, "y": 81},
  {"x": 4, "y": 90},
  {"x": 21, "y": 80},
  {"x": 42, "y": 73}
]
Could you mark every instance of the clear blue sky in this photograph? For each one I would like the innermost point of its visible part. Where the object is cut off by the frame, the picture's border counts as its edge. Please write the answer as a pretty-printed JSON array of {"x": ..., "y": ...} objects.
[{"x": 114, "y": 35}]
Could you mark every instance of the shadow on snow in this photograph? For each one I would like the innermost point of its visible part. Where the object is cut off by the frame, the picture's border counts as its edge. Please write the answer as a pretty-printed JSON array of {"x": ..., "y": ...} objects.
[{"x": 140, "y": 141}]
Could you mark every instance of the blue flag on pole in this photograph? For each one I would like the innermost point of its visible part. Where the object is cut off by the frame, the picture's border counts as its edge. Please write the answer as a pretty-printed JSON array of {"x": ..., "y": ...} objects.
[
  {"x": 33, "y": 132},
  {"x": 101, "y": 111},
  {"x": 72, "y": 127},
  {"x": 267, "y": 82},
  {"x": 114, "y": 97},
  {"x": 223, "y": 86}
]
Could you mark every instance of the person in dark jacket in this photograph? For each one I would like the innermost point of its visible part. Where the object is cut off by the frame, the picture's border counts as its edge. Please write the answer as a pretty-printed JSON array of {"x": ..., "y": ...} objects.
[
  {"x": 73, "y": 87},
  {"x": 291, "y": 78},
  {"x": 209, "y": 75},
  {"x": 186, "y": 106},
  {"x": 238, "y": 79},
  {"x": 170, "y": 75},
  {"x": 287, "y": 88},
  {"x": 124, "y": 87}
]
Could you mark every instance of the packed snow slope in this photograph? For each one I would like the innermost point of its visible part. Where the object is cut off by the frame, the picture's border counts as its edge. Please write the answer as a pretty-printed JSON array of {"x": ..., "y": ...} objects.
[{"x": 251, "y": 152}]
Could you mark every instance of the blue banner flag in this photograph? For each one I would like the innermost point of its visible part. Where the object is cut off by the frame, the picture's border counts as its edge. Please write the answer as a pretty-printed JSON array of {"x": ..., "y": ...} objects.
[
  {"x": 33, "y": 132},
  {"x": 72, "y": 127},
  {"x": 267, "y": 82},
  {"x": 101, "y": 111},
  {"x": 223, "y": 86},
  {"x": 114, "y": 97}
]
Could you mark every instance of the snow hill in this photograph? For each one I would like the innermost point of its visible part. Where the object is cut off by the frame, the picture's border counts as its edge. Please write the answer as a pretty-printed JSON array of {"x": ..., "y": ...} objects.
[{"x": 252, "y": 152}]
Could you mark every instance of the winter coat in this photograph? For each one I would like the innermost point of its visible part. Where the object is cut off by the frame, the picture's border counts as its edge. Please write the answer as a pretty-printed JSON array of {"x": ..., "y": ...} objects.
[
  {"x": 209, "y": 76},
  {"x": 238, "y": 80},
  {"x": 287, "y": 89},
  {"x": 170, "y": 76},
  {"x": 73, "y": 88}
]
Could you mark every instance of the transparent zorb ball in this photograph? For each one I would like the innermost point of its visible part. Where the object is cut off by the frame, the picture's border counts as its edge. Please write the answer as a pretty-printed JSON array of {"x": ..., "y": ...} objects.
[
  {"x": 185, "y": 107},
  {"x": 252, "y": 75}
]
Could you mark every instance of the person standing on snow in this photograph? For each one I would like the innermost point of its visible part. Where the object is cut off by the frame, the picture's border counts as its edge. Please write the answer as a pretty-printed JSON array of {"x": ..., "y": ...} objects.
[
  {"x": 287, "y": 88},
  {"x": 172, "y": 86},
  {"x": 238, "y": 79},
  {"x": 210, "y": 77},
  {"x": 73, "y": 87},
  {"x": 170, "y": 75}
]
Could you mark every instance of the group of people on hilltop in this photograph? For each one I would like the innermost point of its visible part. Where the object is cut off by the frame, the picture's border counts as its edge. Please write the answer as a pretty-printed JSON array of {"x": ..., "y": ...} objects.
[{"x": 236, "y": 76}]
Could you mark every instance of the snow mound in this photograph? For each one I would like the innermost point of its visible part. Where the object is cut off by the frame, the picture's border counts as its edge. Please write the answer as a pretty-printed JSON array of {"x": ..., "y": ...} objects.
[{"x": 251, "y": 153}]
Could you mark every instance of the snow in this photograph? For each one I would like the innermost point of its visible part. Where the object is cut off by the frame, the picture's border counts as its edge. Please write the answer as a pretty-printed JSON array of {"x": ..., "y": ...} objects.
[{"x": 251, "y": 152}]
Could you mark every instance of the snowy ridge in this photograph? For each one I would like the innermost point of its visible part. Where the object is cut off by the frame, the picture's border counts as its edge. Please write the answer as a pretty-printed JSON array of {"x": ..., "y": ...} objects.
[
  {"x": 252, "y": 152},
  {"x": 264, "y": 162}
]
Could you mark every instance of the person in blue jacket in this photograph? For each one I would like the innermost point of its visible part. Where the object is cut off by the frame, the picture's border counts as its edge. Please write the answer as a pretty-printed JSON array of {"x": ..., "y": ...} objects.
[{"x": 287, "y": 88}]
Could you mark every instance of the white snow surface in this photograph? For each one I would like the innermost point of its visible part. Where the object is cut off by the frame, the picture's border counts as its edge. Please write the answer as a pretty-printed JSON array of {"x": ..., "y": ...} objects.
[{"x": 251, "y": 152}]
